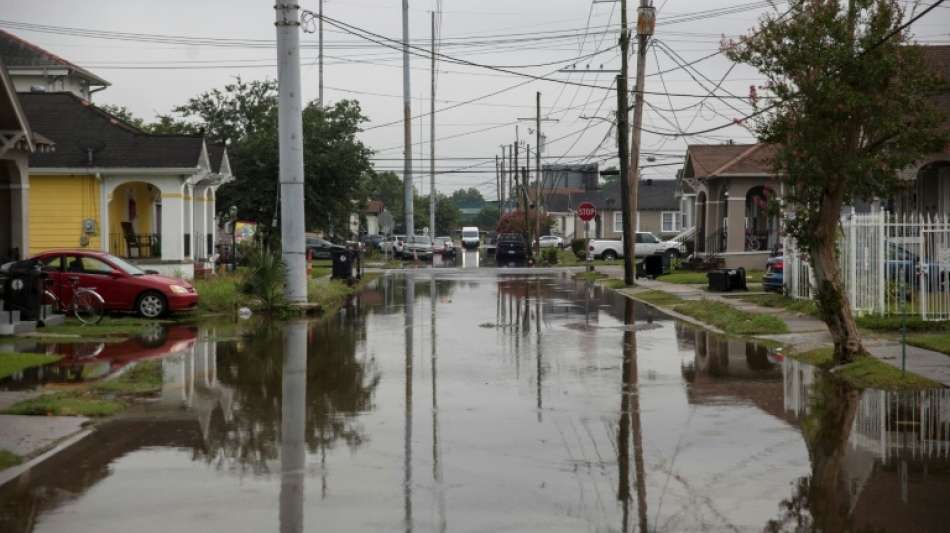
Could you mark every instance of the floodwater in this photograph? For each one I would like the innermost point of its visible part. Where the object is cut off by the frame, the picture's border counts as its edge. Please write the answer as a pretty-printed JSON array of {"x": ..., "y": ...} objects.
[{"x": 486, "y": 400}]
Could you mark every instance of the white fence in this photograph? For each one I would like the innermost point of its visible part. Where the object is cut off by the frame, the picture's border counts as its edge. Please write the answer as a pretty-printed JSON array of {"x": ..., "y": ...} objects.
[{"x": 890, "y": 264}]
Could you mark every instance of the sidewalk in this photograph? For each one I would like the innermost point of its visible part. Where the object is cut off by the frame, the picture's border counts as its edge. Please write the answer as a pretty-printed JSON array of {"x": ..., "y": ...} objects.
[{"x": 807, "y": 332}]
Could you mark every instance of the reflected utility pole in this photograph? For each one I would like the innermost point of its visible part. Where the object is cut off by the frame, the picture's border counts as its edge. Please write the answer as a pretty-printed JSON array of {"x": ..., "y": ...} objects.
[
  {"x": 407, "y": 442},
  {"x": 630, "y": 424},
  {"x": 436, "y": 451},
  {"x": 293, "y": 424},
  {"x": 537, "y": 342}
]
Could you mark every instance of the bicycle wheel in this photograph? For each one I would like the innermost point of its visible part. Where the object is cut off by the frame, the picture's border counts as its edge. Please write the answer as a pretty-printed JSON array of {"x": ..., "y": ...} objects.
[{"x": 88, "y": 306}]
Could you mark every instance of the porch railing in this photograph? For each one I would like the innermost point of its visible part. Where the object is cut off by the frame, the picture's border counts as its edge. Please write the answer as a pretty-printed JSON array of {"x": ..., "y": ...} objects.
[{"x": 140, "y": 245}]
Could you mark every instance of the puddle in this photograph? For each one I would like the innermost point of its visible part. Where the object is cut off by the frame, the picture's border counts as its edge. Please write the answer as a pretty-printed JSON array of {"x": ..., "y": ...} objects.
[{"x": 580, "y": 410}]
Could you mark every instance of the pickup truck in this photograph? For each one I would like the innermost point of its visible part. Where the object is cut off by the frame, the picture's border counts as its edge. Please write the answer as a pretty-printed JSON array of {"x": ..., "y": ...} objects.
[{"x": 647, "y": 244}]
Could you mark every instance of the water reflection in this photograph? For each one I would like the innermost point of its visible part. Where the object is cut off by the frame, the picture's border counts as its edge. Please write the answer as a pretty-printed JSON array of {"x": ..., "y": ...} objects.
[
  {"x": 630, "y": 423},
  {"x": 293, "y": 452}
]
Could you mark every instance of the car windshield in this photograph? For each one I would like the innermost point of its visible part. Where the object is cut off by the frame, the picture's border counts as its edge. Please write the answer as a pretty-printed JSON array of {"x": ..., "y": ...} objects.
[
  {"x": 125, "y": 266},
  {"x": 421, "y": 239},
  {"x": 470, "y": 233}
]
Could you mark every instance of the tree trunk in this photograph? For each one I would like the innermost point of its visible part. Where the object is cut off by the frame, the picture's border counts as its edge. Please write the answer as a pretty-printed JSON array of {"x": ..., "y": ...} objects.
[{"x": 833, "y": 305}]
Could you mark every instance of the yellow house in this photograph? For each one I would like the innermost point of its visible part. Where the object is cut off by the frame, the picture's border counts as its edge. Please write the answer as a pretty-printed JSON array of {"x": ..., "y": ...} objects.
[{"x": 149, "y": 198}]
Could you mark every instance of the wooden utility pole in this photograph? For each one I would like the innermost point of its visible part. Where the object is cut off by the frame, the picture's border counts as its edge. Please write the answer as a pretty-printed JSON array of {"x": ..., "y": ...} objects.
[
  {"x": 627, "y": 202},
  {"x": 432, "y": 197},
  {"x": 320, "y": 54},
  {"x": 646, "y": 21}
]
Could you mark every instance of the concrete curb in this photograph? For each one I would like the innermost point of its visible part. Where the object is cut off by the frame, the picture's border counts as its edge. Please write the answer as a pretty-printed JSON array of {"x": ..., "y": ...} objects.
[{"x": 12, "y": 473}]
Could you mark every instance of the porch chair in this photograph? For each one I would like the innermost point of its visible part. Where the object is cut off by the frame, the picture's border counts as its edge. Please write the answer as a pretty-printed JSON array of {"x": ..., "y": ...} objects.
[{"x": 134, "y": 242}]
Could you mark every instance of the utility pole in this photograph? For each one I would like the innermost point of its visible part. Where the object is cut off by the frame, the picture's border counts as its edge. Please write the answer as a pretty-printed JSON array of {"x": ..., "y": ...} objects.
[
  {"x": 537, "y": 170},
  {"x": 513, "y": 173},
  {"x": 432, "y": 199},
  {"x": 320, "y": 55},
  {"x": 646, "y": 20},
  {"x": 407, "y": 125},
  {"x": 497, "y": 181},
  {"x": 290, "y": 136},
  {"x": 504, "y": 170},
  {"x": 627, "y": 202}
]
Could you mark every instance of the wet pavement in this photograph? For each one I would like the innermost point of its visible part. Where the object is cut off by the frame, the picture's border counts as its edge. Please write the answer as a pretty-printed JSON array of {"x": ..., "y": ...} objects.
[{"x": 487, "y": 400}]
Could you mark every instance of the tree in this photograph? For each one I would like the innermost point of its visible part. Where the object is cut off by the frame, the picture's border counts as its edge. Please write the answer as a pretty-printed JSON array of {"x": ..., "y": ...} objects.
[
  {"x": 470, "y": 196},
  {"x": 487, "y": 217},
  {"x": 447, "y": 215},
  {"x": 514, "y": 222},
  {"x": 387, "y": 187},
  {"x": 244, "y": 115},
  {"x": 852, "y": 108},
  {"x": 123, "y": 113}
]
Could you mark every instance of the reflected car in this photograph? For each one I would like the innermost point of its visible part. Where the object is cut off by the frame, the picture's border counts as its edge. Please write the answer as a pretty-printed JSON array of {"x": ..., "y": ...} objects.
[{"x": 123, "y": 285}]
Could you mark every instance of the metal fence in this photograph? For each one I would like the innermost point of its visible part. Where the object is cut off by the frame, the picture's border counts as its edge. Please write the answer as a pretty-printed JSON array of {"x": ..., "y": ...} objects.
[{"x": 889, "y": 263}]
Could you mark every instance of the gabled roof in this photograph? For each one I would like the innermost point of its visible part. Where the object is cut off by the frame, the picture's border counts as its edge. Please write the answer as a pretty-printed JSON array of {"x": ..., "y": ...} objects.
[
  {"x": 655, "y": 195},
  {"x": 13, "y": 121},
  {"x": 21, "y": 54},
  {"x": 374, "y": 207},
  {"x": 87, "y": 136},
  {"x": 711, "y": 160}
]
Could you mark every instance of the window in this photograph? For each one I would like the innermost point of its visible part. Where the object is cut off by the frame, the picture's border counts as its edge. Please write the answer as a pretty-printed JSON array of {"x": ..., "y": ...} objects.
[
  {"x": 53, "y": 264},
  {"x": 646, "y": 238},
  {"x": 668, "y": 222},
  {"x": 88, "y": 265},
  {"x": 618, "y": 222}
]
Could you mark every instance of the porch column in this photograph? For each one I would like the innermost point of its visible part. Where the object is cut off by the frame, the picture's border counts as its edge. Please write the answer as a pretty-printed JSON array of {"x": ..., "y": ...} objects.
[
  {"x": 711, "y": 221},
  {"x": 173, "y": 225},
  {"x": 735, "y": 241},
  {"x": 210, "y": 222},
  {"x": 105, "y": 199},
  {"x": 188, "y": 228},
  {"x": 20, "y": 205},
  {"x": 198, "y": 222}
]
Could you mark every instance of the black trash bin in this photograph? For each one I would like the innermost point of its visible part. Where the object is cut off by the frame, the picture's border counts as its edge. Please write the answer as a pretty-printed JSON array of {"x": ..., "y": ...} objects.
[
  {"x": 24, "y": 284},
  {"x": 653, "y": 265},
  {"x": 737, "y": 279},
  {"x": 342, "y": 264},
  {"x": 719, "y": 280}
]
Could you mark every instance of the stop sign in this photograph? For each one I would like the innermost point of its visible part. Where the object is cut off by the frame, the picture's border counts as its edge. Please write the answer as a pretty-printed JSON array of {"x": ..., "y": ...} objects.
[{"x": 586, "y": 211}]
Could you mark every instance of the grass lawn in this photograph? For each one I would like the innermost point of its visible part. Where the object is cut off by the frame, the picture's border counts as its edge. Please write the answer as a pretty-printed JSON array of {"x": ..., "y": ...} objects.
[
  {"x": 66, "y": 404},
  {"x": 8, "y": 459},
  {"x": 868, "y": 372},
  {"x": 566, "y": 257},
  {"x": 331, "y": 294},
  {"x": 109, "y": 327},
  {"x": 807, "y": 307},
  {"x": 730, "y": 319},
  {"x": 221, "y": 293},
  {"x": 589, "y": 276},
  {"x": 660, "y": 298},
  {"x": 323, "y": 267},
  {"x": 893, "y": 323},
  {"x": 12, "y": 362},
  {"x": 612, "y": 283},
  {"x": 939, "y": 342}
]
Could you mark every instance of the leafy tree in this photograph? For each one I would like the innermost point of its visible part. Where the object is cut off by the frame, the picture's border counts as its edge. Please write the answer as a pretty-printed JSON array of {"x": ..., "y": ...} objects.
[
  {"x": 447, "y": 215},
  {"x": 487, "y": 217},
  {"x": 124, "y": 113},
  {"x": 514, "y": 222},
  {"x": 244, "y": 114},
  {"x": 470, "y": 196},
  {"x": 853, "y": 107},
  {"x": 386, "y": 187}
]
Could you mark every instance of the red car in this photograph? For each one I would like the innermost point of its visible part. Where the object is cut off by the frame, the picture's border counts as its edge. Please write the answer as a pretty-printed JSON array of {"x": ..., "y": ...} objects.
[{"x": 123, "y": 286}]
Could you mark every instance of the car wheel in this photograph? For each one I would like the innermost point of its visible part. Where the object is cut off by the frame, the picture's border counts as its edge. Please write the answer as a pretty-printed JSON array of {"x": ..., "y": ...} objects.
[
  {"x": 609, "y": 255},
  {"x": 151, "y": 304}
]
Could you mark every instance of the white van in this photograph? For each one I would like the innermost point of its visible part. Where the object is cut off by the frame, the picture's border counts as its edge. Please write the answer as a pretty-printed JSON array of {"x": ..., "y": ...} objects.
[{"x": 470, "y": 238}]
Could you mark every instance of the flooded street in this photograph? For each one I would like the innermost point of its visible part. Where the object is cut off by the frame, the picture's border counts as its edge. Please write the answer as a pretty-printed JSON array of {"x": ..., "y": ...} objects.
[{"x": 483, "y": 400}]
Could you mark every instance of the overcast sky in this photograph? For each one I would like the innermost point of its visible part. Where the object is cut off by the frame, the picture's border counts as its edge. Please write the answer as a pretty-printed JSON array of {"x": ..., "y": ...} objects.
[{"x": 152, "y": 77}]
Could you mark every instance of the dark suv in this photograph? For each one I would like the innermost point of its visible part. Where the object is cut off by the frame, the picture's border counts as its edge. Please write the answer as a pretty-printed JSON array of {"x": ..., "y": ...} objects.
[{"x": 510, "y": 247}]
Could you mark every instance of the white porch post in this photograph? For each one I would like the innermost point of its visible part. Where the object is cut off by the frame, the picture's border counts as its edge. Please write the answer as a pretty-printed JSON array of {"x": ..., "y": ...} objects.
[
  {"x": 105, "y": 198},
  {"x": 20, "y": 205},
  {"x": 173, "y": 218},
  {"x": 210, "y": 221},
  {"x": 188, "y": 202},
  {"x": 198, "y": 222}
]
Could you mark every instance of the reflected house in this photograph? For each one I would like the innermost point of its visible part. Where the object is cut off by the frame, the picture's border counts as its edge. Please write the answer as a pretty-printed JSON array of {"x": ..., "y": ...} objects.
[{"x": 892, "y": 464}]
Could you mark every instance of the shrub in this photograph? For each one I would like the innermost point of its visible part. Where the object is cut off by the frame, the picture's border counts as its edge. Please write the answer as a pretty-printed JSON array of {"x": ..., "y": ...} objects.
[
  {"x": 266, "y": 277},
  {"x": 549, "y": 256},
  {"x": 579, "y": 247}
]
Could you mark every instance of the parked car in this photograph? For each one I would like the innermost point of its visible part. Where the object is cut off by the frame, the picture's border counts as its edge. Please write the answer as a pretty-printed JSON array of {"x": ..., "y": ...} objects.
[
  {"x": 123, "y": 286},
  {"x": 322, "y": 248},
  {"x": 647, "y": 244},
  {"x": 551, "y": 241},
  {"x": 774, "y": 277},
  {"x": 903, "y": 264},
  {"x": 418, "y": 247},
  {"x": 470, "y": 238},
  {"x": 443, "y": 246},
  {"x": 510, "y": 247},
  {"x": 373, "y": 242}
]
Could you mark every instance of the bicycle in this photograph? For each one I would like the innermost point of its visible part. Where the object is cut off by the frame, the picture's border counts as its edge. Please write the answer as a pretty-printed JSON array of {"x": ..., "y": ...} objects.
[{"x": 86, "y": 305}]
